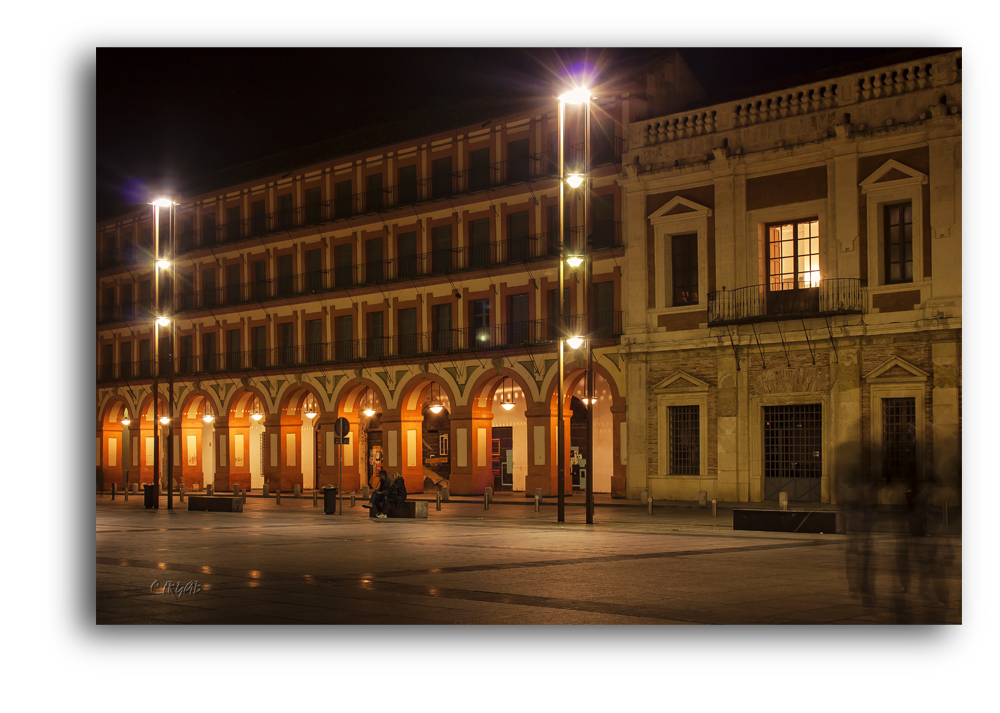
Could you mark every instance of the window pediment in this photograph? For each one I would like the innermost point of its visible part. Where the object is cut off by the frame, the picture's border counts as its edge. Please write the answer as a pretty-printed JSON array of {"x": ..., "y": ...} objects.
[
  {"x": 680, "y": 382},
  {"x": 891, "y": 174},
  {"x": 896, "y": 369},
  {"x": 678, "y": 207}
]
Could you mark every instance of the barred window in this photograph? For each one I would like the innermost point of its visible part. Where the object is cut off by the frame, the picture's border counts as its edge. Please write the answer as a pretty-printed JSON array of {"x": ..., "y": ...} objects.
[
  {"x": 685, "y": 438},
  {"x": 899, "y": 438}
]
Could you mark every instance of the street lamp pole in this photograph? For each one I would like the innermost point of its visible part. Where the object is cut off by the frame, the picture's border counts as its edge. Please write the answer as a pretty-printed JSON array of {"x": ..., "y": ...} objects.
[
  {"x": 588, "y": 298},
  {"x": 156, "y": 355},
  {"x": 560, "y": 435},
  {"x": 170, "y": 367}
]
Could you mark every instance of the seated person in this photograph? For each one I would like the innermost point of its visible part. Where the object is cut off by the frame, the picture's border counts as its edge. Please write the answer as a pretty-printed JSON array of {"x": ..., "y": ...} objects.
[
  {"x": 378, "y": 495},
  {"x": 395, "y": 496}
]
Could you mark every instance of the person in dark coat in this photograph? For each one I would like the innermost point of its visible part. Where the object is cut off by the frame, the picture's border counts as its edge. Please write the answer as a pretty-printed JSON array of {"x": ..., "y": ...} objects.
[
  {"x": 377, "y": 500},
  {"x": 395, "y": 496}
]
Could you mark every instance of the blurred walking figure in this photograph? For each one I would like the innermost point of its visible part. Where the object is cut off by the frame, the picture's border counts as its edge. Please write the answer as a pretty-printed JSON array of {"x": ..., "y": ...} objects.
[{"x": 856, "y": 496}]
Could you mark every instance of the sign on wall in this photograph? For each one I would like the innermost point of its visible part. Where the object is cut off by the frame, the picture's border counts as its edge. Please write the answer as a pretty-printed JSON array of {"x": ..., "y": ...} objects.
[
  {"x": 192, "y": 449},
  {"x": 149, "y": 450},
  {"x": 112, "y": 452},
  {"x": 238, "y": 450}
]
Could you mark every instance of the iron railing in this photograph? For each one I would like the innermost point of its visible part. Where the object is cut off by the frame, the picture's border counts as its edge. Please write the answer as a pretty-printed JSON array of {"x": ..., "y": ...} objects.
[
  {"x": 758, "y": 303},
  {"x": 607, "y": 325}
]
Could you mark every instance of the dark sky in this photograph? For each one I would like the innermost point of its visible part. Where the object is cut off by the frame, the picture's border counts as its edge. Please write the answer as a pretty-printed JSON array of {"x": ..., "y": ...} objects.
[{"x": 166, "y": 115}]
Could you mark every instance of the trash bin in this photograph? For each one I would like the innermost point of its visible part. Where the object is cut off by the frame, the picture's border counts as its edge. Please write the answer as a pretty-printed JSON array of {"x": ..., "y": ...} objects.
[
  {"x": 329, "y": 500},
  {"x": 149, "y": 495}
]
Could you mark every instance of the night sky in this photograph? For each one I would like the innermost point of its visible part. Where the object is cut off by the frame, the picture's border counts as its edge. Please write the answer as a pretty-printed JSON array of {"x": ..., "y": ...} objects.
[{"x": 210, "y": 109}]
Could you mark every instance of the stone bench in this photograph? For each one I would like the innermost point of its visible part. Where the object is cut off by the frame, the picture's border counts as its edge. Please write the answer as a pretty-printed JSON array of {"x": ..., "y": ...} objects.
[
  {"x": 806, "y": 521},
  {"x": 412, "y": 509},
  {"x": 215, "y": 503}
]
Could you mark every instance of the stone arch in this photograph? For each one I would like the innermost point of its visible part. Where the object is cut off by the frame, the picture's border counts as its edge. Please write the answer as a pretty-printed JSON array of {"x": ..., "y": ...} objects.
[
  {"x": 114, "y": 441},
  {"x": 349, "y": 403}
]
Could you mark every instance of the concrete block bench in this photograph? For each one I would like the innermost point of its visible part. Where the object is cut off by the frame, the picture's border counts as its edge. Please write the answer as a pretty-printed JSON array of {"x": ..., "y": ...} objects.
[
  {"x": 215, "y": 503},
  {"x": 807, "y": 521},
  {"x": 412, "y": 509}
]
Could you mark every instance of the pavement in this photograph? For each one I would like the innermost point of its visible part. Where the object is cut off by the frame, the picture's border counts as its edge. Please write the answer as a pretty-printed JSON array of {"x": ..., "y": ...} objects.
[{"x": 292, "y": 564}]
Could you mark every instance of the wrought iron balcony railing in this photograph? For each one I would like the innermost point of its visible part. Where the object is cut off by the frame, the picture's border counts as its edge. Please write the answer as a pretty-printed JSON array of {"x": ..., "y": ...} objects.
[
  {"x": 607, "y": 325},
  {"x": 759, "y": 303}
]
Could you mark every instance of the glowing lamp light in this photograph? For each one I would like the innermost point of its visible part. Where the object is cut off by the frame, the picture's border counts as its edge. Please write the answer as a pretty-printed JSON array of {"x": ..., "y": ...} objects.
[
  {"x": 163, "y": 263},
  {"x": 208, "y": 418},
  {"x": 125, "y": 419},
  {"x": 369, "y": 412},
  {"x": 164, "y": 420},
  {"x": 436, "y": 408},
  {"x": 311, "y": 414},
  {"x": 575, "y": 260},
  {"x": 507, "y": 406},
  {"x": 163, "y": 321},
  {"x": 574, "y": 342},
  {"x": 580, "y": 95},
  {"x": 256, "y": 416},
  {"x": 574, "y": 180},
  {"x": 162, "y": 202},
  {"x": 587, "y": 402}
]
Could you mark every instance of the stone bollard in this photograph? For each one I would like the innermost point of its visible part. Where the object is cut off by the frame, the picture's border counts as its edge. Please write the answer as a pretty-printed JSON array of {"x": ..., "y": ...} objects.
[
  {"x": 489, "y": 493},
  {"x": 486, "y": 501},
  {"x": 643, "y": 496},
  {"x": 236, "y": 490},
  {"x": 181, "y": 491},
  {"x": 365, "y": 495},
  {"x": 210, "y": 489},
  {"x": 538, "y": 501},
  {"x": 715, "y": 510},
  {"x": 244, "y": 494},
  {"x": 315, "y": 497},
  {"x": 133, "y": 487},
  {"x": 112, "y": 491},
  {"x": 703, "y": 498},
  {"x": 126, "y": 494},
  {"x": 438, "y": 508},
  {"x": 650, "y": 502},
  {"x": 352, "y": 498},
  {"x": 277, "y": 496},
  {"x": 783, "y": 500},
  {"x": 264, "y": 489},
  {"x": 944, "y": 513},
  {"x": 444, "y": 494},
  {"x": 296, "y": 491}
]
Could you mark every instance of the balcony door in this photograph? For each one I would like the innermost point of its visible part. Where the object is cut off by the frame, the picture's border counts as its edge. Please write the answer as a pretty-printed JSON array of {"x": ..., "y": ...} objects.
[{"x": 793, "y": 268}]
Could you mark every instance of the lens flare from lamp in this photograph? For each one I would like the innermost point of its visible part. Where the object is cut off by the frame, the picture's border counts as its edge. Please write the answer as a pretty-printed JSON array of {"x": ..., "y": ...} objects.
[
  {"x": 574, "y": 260},
  {"x": 256, "y": 416},
  {"x": 507, "y": 406},
  {"x": 164, "y": 420},
  {"x": 574, "y": 342},
  {"x": 369, "y": 412},
  {"x": 163, "y": 263},
  {"x": 163, "y": 321},
  {"x": 208, "y": 418},
  {"x": 574, "y": 180},
  {"x": 436, "y": 408},
  {"x": 162, "y": 202}
]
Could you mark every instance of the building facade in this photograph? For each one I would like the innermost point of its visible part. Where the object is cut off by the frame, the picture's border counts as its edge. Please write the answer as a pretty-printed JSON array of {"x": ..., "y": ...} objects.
[
  {"x": 416, "y": 275},
  {"x": 793, "y": 290}
]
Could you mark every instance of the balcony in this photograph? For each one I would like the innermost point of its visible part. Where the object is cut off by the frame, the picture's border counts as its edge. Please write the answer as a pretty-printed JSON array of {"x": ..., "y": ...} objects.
[
  {"x": 542, "y": 332},
  {"x": 845, "y": 295}
]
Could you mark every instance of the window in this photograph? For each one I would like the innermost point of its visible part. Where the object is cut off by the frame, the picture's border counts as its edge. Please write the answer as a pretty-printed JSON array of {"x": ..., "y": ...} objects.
[
  {"x": 286, "y": 214},
  {"x": 233, "y": 284},
  {"x": 342, "y": 200},
  {"x": 479, "y": 242},
  {"x": 259, "y": 268},
  {"x": 208, "y": 352},
  {"x": 518, "y": 161},
  {"x": 898, "y": 239},
  {"x": 443, "y": 444},
  {"x": 314, "y": 205},
  {"x": 442, "y": 328},
  {"x": 145, "y": 359},
  {"x": 793, "y": 267},
  {"x": 314, "y": 272},
  {"x": 441, "y": 185},
  {"x": 164, "y": 355},
  {"x": 234, "y": 350},
  {"x": 146, "y": 297},
  {"x": 552, "y": 236},
  {"x": 553, "y": 312},
  {"x": 407, "y": 185},
  {"x": 374, "y": 192},
  {"x": 604, "y": 309},
  {"x": 479, "y": 169},
  {"x": 685, "y": 440},
  {"x": 479, "y": 321},
  {"x": 344, "y": 265},
  {"x": 107, "y": 362},
  {"x": 258, "y": 338},
  {"x": 408, "y": 255},
  {"x": 127, "y": 305},
  {"x": 125, "y": 359},
  {"x": 684, "y": 263},
  {"x": 185, "y": 362},
  {"x": 441, "y": 240},
  {"x": 518, "y": 320},
  {"x": 286, "y": 338},
  {"x": 517, "y": 237},
  {"x": 108, "y": 304},
  {"x": 793, "y": 451},
  {"x": 258, "y": 218},
  {"x": 209, "y": 296},
  {"x": 314, "y": 340},
  {"x": 233, "y": 223},
  {"x": 185, "y": 299},
  {"x": 208, "y": 229},
  {"x": 604, "y": 225},
  {"x": 408, "y": 332},
  {"x": 375, "y": 266},
  {"x": 185, "y": 241},
  {"x": 376, "y": 335},
  {"x": 286, "y": 278},
  {"x": 899, "y": 439},
  {"x": 602, "y": 142},
  {"x": 345, "y": 338}
]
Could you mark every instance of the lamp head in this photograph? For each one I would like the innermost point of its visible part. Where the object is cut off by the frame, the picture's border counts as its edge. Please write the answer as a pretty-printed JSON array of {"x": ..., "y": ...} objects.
[
  {"x": 437, "y": 408},
  {"x": 574, "y": 342},
  {"x": 162, "y": 202},
  {"x": 125, "y": 419},
  {"x": 574, "y": 180},
  {"x": 164, "y": 420},
  {"x": 163, "y": 263},
  {"x": 163, "y": 321},
  {"x": 256, "y": 416},
  {"x": 575, "y": 260},
  {"x": 369, "y": 412},
  {"x": 580, "y": 95},
  {"x": 507, "y": 405},
  {"x": 208, "y": 418}
]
